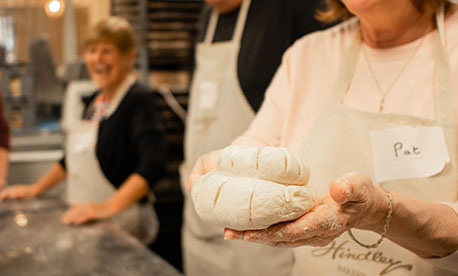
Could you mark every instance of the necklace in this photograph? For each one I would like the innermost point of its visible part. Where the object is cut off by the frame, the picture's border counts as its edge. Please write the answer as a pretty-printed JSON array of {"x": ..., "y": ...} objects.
[{"x": 384, "y": 93}]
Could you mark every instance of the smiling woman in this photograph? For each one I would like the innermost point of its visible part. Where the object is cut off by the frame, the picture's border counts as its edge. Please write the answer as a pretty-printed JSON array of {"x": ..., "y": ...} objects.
[
  {"x": 114, "y": 154},
  {"x": 110, "y": 54}
]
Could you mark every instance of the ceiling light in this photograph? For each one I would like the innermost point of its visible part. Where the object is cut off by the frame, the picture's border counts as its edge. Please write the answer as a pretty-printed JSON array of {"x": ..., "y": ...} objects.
[{"x": 54, "y": 8}]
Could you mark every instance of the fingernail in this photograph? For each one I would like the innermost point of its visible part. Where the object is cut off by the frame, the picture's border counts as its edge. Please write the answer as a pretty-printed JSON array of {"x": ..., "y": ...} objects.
[{"x": 233, "y": 236}]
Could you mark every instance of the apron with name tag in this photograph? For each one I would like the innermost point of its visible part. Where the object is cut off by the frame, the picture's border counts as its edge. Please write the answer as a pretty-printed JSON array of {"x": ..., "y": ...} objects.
[
  {"x": 344, "y": 139},
  {"x": 86, "y": 181}
]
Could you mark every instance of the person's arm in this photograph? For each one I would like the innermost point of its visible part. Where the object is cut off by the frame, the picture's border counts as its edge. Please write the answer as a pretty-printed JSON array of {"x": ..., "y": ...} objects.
[
  {"x": 427, "y": 229},
  {"x": 147, "y": 136},
  {"x": 4, "y": 163},
  {"x": 133, "y": 189},
  {"x": 5, "y": 144},
  {"x": 267, "y": 126},
  {"x": 449, "y": 262},
  {"x": 51, "y": 178}
]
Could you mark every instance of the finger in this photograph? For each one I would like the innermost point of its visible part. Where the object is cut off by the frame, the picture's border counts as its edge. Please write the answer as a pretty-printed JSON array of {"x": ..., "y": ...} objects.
[
  {"x": 82, "y": 218},
  {"x": 203, "y": 165},
  {"x": 75, "y": 218},
  {"x": 67, "y": 217},
  {"x": 231, "y": 234},
  {"x": 313, "y": 241},
  {"x": 11, "y": 193},
  {"x": 195, "y": 174},
  {"x": 4, "y": 194},
  {"x": 71, "y": 215},
  {"x": 18, "y": 193},
  {"x": 209, "y": 163},
  {"x": 288, "y": 231},
  {"x": 351, "y": 187}
]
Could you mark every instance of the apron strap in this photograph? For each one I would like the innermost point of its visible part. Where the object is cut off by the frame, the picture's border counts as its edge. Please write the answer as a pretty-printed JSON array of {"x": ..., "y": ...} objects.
[
  {"x": 442, "y": 82},
  {"x": 211, "y": 27},
  {"x": 346, "y": 71},
  {"x": 119, "y": 96},
  {"x": 239, "y": 27},
  {"x": 241, "y": 20}
]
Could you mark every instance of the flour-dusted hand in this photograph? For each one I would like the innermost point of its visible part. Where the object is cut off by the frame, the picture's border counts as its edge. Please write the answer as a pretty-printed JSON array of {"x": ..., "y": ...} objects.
[
  {"x": 352, "y": 202},
  {"x": 19, "y": 191},
  {"x": 85, "y": 212},
  {"x": 243, "y": 203}
]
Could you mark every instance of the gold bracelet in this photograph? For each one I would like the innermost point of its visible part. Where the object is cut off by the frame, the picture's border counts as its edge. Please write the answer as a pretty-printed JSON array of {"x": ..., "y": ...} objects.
[{"x": 385, "y": 227}]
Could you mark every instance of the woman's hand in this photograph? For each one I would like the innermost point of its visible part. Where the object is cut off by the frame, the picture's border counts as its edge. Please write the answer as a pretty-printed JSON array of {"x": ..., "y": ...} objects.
[
  {"x": 85, "y": 212},
  {"x": 204, "y": 164},
  {"x": 19, "y": 191},
  {"x": 352, "y": 201}
]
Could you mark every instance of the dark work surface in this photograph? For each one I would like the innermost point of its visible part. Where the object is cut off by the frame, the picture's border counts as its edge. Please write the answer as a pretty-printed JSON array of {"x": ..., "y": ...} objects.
[{"x": 35, "y": 242}]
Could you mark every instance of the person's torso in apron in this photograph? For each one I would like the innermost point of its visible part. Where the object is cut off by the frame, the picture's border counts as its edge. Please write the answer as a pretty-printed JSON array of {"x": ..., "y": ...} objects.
[
  {"x": 86, "y": 181},
  {"x": 218, "y": 113},
  {"x": 341, "y": 142}
]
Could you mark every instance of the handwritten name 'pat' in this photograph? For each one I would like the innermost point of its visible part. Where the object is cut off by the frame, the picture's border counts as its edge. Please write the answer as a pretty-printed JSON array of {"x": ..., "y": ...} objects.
[{"x": 400, "y": 150}]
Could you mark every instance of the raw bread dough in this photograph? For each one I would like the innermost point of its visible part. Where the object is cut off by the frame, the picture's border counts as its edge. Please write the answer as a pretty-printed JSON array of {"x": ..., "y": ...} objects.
[
  {"x": 269, "y": 163},
  {"x": 244, "y": 203}
]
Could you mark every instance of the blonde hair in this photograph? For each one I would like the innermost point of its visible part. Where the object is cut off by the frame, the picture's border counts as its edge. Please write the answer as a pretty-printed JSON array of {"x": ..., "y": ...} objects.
[
  {"x": 114, "y": 30},
  {"x": 335, "y": 10}
]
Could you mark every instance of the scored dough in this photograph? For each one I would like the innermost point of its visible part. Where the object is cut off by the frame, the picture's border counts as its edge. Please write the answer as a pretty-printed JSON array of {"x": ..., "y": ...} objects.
[
  {"x": 244, "y": 203},
  {"x": 269, "y": 163}
]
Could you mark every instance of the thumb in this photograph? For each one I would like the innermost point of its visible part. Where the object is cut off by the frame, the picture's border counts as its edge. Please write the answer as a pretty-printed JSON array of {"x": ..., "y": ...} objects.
[
  {"x": 204, "y": 164},
  {"x": 349, "y": 188}
]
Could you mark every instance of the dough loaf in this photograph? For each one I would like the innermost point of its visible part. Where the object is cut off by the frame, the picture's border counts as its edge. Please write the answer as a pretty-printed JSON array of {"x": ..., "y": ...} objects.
[
  {"x": 244, "y": 203},
  {"x": 270, "y": 163}
]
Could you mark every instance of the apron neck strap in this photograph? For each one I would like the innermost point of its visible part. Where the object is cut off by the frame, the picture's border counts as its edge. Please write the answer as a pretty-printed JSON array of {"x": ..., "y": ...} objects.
[
  {"x": 211, "y": 27},
  {"x": 346, "y": 72},
  {"x": 239, "y": 26},
  {"x": 442, "y": 81}
]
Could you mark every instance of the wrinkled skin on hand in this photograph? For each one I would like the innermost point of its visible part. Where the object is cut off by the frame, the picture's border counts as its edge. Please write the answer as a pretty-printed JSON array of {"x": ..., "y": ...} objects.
[
  {"x": 204, "y": 164},
  {"x": 85, "y": 212},
  {"x": 352, "y": 202}
]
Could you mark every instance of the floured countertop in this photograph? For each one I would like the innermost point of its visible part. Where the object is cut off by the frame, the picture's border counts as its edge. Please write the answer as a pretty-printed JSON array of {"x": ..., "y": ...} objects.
[{"x": 34, "y": 242}]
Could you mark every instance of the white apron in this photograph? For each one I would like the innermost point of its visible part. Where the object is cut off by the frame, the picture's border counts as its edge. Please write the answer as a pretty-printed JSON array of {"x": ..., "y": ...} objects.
[
  {"x": 218, "y": 113},
  {"x": 339, "y": 142},
  {"x": 87, "y": 183}
]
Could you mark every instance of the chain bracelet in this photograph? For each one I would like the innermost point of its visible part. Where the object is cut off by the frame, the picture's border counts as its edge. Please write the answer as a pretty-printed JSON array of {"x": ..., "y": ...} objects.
[{"x": 385, "y": 227}]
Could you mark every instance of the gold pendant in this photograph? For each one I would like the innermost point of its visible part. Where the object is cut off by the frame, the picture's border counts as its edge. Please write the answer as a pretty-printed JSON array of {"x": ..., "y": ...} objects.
[{"x": 380, "y": 109}]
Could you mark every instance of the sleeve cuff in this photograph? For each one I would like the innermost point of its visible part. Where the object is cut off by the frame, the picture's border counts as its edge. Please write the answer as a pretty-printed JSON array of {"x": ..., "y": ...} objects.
[{"x": 449, "y": 262}]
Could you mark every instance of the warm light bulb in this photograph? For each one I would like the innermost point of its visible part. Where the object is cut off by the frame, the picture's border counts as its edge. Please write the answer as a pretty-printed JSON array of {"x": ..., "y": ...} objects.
[{"x": 54, "y": 6}]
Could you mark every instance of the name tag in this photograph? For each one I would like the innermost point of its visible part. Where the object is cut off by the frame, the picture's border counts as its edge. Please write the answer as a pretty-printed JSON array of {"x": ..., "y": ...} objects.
[
  {"x": 82, "y": 142},
  {"x": 408, "y": 152},
  {"x": 208, "y": 94}
]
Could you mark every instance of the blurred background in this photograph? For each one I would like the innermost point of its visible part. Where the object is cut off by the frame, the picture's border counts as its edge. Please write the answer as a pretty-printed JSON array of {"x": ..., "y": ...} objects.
[{"x": 40, "y": 60}]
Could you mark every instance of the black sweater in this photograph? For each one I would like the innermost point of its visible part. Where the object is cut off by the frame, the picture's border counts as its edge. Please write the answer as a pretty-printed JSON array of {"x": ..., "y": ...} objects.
[{"x": 131, "y": 139}]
